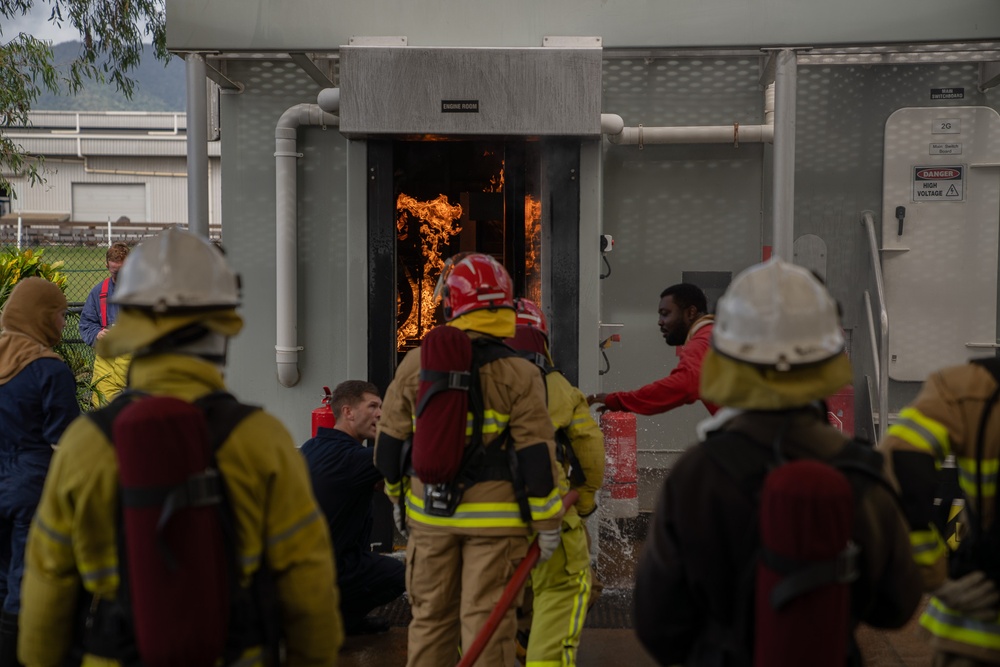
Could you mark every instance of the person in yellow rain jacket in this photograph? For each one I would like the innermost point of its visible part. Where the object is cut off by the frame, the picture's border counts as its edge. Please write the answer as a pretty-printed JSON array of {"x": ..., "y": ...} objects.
[
  {"x": 562, "y": 585},
  {"x": 955, "y": 414},
  {"x": 458, "y": 563},
  {"x": 178, "y": 298}
]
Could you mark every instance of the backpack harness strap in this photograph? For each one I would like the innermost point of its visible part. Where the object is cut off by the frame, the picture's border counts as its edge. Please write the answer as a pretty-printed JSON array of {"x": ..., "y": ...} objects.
[
  {"x": 800, "y": 577},
  {"x": 564, "y": 445},
  {"x": 442, "y": 381},
  {"x": 494, "y": 462},
  {"x": 104, "y": 302},
  {"x": 749, "y": 465},
  {"x": 252, "y": 621}
]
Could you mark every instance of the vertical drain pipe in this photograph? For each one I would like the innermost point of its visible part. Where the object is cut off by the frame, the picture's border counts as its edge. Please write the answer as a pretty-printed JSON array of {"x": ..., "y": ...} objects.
[
  {"x": 286, "y": 225},
  {"x": 197, "y": 144},
  {"x": 784, "y": 155}
]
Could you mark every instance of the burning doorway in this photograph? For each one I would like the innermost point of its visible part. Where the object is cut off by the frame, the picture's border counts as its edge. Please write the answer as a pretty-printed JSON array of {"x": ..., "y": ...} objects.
[{"x": 428, "y": 200}]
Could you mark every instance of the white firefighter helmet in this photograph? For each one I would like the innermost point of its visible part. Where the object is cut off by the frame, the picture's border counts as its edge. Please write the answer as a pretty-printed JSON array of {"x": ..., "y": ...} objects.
[
  {"x": 176, "y": 271},
  {"x": 777, "y": 315}
]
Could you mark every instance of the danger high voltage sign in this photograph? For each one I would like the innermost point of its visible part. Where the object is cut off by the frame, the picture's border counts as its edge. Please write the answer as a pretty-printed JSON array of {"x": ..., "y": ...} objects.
[{"x": 939, "y": 183}]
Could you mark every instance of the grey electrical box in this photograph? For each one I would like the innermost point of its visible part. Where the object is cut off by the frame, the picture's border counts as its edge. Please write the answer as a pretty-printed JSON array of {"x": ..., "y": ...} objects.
[{"x": 417, "y": 91}]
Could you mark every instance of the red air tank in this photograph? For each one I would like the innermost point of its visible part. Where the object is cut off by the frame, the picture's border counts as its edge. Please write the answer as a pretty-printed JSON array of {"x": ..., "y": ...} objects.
[
  {"x": 323, "y": 415},
  {"x": 621, "y": 467}
]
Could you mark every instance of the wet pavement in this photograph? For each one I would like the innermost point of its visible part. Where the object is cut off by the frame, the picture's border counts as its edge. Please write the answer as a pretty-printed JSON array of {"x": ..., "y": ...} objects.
[
  {"x": 605, "y": 647},
  {"x": 607, "y": 638}
]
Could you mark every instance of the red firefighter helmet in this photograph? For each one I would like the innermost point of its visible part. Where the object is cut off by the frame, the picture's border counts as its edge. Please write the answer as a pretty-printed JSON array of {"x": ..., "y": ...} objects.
[
  {"x": 473, "y": 281},
  {"x": 530, "y": 315}
]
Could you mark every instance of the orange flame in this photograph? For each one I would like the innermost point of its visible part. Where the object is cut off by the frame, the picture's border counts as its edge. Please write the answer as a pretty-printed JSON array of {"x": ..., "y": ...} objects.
[
  {"x": 438, "y": 224},
  {"x": 496, "y": 182},
  {"x": 533, "y": 249}
]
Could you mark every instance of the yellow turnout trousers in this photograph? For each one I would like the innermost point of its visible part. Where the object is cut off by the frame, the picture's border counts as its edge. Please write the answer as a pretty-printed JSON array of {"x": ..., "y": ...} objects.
[{"x": 561, "y": 588}]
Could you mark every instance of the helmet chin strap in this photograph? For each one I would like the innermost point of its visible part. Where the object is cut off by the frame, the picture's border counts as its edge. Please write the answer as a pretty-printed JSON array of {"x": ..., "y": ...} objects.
[{"x": 196, "y": 340}]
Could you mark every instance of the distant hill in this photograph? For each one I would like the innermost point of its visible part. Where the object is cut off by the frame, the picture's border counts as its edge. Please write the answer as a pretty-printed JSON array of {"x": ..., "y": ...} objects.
[{"x": 158, "y": 87}]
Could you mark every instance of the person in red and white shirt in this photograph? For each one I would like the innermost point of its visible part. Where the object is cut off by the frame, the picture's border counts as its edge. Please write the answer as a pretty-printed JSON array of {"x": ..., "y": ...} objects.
[{"x": 685, "y": 324}]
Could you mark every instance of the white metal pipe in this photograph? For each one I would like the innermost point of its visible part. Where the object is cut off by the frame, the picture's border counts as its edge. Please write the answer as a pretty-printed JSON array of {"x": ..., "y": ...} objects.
[
  {"x": 640, "y": 135},
  {"x": 197, "y": 144},
  {"x": 20, "y": 227},
  {"x": 783, "y": 206},
  {"x": 329, "y": 100},
  {"x": 286, "y": 154},
  {"x": 109, "y": 231},
  {"x": 696, "y": 134}
]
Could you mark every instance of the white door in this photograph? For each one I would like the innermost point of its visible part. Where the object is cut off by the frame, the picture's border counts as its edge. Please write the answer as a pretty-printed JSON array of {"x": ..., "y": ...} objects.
[
  {"x": 97, "y": 202},
  {"x": 942, "y": 177}
]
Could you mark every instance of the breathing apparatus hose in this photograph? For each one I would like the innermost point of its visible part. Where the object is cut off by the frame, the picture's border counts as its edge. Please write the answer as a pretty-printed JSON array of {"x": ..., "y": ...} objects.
[{"x": 510, "y": 592}]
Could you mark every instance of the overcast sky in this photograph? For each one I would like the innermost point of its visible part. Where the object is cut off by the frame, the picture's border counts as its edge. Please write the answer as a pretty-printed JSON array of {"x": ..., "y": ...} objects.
[{"x": 36, "y": 23}]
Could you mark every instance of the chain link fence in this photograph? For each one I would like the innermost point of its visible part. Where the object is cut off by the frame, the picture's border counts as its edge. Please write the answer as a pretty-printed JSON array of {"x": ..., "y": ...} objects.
[{"x": 82, "y": 248}]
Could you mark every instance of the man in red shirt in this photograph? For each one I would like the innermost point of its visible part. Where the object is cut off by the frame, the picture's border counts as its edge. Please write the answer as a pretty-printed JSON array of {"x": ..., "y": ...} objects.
[{"x": 685, "y": 324}]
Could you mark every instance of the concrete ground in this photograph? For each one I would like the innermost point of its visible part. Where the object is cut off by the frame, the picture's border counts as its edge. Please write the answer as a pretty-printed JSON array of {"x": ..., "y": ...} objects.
[
  {"x": 612, "y": 648},
  {"x": 607, "y": 647}
]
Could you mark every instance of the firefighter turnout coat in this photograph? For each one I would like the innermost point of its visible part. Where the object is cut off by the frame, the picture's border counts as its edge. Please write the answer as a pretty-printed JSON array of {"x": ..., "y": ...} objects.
[
  {"x": 686, "y": 611},
  {"x": 514, "y": 399},
  {"x": 571, "y": 415},
  {"x": 73, "y": 538},
  {"x": 943, "y": 421}
]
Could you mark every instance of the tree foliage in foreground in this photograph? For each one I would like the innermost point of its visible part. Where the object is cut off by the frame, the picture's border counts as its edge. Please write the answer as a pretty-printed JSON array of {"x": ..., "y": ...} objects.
[{"x": 111, "y": 32}]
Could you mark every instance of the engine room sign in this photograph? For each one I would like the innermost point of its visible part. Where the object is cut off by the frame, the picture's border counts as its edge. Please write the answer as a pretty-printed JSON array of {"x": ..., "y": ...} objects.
[
  {"x": 459, "y": 106},
  {"x": 939, "y": 183}
]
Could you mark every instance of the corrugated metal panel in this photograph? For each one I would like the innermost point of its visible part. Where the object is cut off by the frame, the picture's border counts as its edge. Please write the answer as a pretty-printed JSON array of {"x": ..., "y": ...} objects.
[
  {"x": 167, "y": 196},
  {"x": 97, "y": 202},
  {"x": 62, "y": 145},
  {"x": 120, "y": 120}
]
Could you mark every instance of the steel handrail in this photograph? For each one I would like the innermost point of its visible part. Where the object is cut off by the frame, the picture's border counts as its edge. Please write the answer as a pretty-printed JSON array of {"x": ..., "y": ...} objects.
[
  {"x": 882, "y": 361},
  {"x": 870, "y": 311}
]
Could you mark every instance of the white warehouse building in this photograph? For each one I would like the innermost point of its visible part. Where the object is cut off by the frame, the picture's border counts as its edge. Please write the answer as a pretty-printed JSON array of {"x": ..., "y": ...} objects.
[{"x": 101, "y": 166}]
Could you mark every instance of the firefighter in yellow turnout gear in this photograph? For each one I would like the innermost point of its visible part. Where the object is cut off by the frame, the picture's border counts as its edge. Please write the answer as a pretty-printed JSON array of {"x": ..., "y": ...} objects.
[
  {"x": 459, "y": 561},
  {"x": 953, "y": 416},
  {"x": 562, "y": 585},
  {"x": 178, "y": 300}
]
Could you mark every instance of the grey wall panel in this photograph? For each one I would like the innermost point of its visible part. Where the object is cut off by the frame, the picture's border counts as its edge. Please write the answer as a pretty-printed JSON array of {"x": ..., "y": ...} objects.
[
  {"x": 248, "y": 205},
  {"x": 673, "y": 209},
  {"x": 325, "y": 24},
  {"x": 841, "y": 114}
]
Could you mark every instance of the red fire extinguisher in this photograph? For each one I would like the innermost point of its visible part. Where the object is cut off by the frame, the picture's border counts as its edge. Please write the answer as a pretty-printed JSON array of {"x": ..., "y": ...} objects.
[
  {"x": 621, "y": 465},
  {"x": 323, "y": 415}
]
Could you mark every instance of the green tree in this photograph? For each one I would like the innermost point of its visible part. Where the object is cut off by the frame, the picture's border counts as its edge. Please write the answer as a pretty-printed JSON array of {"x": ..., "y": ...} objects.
[{"x": 112, "y": 32}]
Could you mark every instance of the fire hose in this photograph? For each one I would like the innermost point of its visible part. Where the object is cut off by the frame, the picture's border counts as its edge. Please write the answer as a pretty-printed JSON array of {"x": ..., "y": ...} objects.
[{"x": 510, "y": 592}]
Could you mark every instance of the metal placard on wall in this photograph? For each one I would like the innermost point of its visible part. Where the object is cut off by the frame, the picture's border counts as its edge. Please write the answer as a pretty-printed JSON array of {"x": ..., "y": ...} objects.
[{"x": 453, "y": 91}]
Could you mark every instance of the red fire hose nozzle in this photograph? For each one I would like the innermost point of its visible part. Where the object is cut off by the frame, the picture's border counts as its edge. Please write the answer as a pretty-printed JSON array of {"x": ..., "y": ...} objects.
[{"x": 510, "y": 592}]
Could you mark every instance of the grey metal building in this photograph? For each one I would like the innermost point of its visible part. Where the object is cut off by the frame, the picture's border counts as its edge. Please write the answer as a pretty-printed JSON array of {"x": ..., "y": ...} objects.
[{"x": 701, "y": 135}]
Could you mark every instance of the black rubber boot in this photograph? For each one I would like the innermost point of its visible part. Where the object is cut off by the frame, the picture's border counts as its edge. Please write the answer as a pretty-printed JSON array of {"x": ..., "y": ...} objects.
[{"x": 8, "y": 640}]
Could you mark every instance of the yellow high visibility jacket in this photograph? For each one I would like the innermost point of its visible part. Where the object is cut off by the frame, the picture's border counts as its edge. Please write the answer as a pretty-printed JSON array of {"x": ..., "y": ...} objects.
[
  {"x": 942, "y": 421},
  {"x": 72, "y": 539},
  {"x": 570, "y": 413},
  {"x": 514, "y": 399}
]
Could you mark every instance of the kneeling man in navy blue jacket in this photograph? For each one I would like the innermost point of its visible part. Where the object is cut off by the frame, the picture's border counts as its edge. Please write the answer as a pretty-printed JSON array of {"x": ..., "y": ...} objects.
[{"x": 344, "y": 478}]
